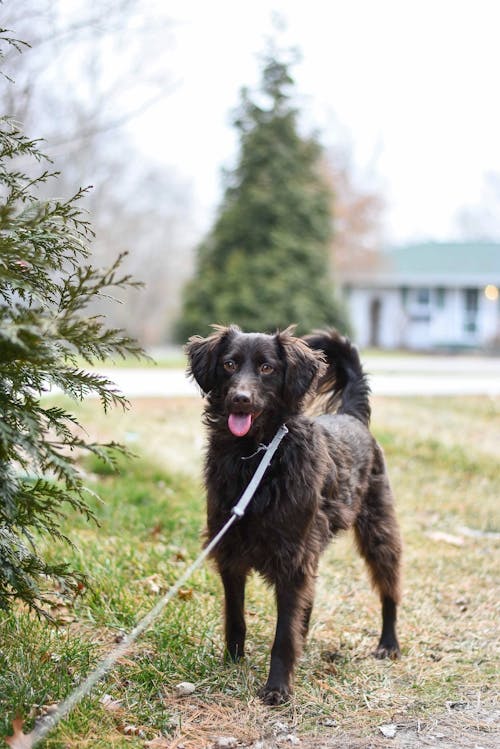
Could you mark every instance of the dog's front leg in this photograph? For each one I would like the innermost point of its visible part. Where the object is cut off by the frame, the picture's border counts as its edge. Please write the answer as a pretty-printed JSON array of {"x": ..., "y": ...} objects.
[
  {"x": 287, "y": 641},
  {"x": 235, "y": 627}
]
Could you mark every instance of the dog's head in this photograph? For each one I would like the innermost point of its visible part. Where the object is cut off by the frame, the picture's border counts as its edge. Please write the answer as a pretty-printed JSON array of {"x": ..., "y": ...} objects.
[{"x": 253, "y": 377}]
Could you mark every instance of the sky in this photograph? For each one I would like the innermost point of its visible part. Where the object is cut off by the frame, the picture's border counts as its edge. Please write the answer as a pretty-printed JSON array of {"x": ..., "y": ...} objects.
[{"x": 411, "y": 86}]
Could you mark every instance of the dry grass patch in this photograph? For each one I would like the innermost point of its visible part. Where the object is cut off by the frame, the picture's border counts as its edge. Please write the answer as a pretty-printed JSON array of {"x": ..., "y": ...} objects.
[{"x": 444, "y": 471}]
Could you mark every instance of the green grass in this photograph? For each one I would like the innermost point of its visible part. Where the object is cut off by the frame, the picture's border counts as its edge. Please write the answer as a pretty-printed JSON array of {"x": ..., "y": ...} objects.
[
  {"x": 174, "y": 359},
  {"x": 150, "y": 519}
]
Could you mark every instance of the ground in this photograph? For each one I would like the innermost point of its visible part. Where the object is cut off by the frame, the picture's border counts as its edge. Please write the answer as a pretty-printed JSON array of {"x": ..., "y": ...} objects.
[
  {"x": 464, "y": 726},
  {"x": 442, "y": 455}
]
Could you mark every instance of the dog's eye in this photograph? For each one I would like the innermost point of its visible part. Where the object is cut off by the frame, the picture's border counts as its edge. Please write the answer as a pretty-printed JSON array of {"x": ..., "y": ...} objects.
[
  {"x": 266, "y": 368},
  {"x": 230, "y": 365}
]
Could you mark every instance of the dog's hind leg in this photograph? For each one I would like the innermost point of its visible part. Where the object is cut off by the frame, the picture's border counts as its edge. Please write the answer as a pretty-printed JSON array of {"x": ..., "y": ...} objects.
[
  {"x": 379, "y": 542},
  {"x": 235, "y": 627}
]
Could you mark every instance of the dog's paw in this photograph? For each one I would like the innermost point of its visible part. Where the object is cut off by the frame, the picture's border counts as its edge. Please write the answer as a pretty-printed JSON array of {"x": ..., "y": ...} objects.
[
  {"x": 234, "y": 653},
  {"x": 387, "y": 650},
  {"x": 233, "y": 657},
  {"x": 274, "y": 695}
]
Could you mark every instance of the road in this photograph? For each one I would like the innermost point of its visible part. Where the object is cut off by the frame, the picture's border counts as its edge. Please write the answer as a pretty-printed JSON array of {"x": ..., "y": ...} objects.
[{"x": 389, "y": 375}]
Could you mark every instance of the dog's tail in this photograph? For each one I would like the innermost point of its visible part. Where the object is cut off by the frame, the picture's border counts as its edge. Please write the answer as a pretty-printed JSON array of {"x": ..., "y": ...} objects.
[{"x": 344, "y": 385}]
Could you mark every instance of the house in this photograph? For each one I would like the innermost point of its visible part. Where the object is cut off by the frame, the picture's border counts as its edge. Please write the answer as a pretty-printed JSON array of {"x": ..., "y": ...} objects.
[{"x": 425, "y": 296}]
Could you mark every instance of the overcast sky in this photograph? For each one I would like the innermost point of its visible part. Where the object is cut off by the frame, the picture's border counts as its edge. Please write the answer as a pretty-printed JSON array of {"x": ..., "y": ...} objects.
[{"x": 412, "y": 85}]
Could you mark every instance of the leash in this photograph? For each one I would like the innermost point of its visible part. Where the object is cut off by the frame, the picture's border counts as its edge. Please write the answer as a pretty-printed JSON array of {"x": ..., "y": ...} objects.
[
  {"x": 48, "y": 722},
  {"x": 239, "y": 509}
]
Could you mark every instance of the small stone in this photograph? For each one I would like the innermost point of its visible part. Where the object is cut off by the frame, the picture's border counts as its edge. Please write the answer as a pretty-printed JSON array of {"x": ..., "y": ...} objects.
[
  {"x": 292, "y": 739},
  {"x": 389, "y": 730},
  {"x": 225, "y": 742},
  {"x": 279, "y": 727},
  {"x": 329, "y": 722},
  {"x": 456, "y": 705},
  {"x": 184, "y": 689}
]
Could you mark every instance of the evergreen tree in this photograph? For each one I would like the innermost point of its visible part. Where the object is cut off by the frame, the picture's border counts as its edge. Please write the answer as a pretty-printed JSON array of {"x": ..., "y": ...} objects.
[
  {"x": 265, "y": 263},
  {"x": 46, "y": 284}
]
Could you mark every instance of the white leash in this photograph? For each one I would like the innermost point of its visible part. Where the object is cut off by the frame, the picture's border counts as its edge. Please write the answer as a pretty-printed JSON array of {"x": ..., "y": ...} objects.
[
  {"x": 51, "y": 720},
  {"x": 239, "y": 509}
]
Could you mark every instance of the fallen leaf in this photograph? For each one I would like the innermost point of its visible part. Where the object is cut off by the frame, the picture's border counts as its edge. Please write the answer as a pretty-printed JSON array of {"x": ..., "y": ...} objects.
[
  {"x": 64, "y": 619},
  {"x": 185, "y": 593},
  {"x": 19, "y": 740},
  {"x": 132, "y": 730},
  {"x": 179, "y": 555},
  {"x": 110, "y": 704},
  {"x": 154, "y": 583},
  {"x": 156, "y": 530},
  {"x": 327, "y": 687}
]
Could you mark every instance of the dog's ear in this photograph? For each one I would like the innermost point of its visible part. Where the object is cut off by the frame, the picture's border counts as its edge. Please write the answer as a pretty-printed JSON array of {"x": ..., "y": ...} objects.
[
  {"x": 303, "y": 367},
  {"x": 203, "y": 354}
]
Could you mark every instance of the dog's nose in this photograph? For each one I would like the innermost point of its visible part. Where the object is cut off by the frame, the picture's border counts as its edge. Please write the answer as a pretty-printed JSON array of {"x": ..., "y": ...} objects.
[{"x": 241, "y": 398}]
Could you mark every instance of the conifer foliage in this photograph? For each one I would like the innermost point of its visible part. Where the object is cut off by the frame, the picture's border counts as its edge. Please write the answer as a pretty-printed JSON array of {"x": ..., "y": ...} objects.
[
  {"x": 46, "y": 283},
  {"x": 264, "y": 265}
]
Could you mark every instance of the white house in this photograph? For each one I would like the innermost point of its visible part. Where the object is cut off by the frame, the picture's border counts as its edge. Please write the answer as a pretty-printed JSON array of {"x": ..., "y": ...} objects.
[{"x": 426, "y": 296}]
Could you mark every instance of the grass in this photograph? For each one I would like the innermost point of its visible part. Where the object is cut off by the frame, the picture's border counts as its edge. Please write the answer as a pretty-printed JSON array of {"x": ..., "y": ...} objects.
[
  {"x": 442, "y": 457},
  {"x": 171, "y": 358}
]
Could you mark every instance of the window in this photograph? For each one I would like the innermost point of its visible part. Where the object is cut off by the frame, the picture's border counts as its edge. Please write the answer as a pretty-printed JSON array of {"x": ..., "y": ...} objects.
[
  {"x": 423, "y": 297},
  {"x": 471, "y": 304},
  {"x": 471, "y": 300},
  {"x": 418, "y": 304}
]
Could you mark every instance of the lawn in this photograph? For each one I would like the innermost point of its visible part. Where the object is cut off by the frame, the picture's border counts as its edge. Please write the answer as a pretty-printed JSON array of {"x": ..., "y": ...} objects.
[{"x": 443, "y": 462}]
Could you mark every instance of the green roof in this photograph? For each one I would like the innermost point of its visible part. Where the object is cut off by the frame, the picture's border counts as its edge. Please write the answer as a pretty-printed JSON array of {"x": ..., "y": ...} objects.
[{"x": 453, "y": 258}]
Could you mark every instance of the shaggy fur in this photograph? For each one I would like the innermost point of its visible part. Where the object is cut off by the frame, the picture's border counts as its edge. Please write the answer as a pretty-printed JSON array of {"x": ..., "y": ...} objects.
[{"x": 327, "y": 475}]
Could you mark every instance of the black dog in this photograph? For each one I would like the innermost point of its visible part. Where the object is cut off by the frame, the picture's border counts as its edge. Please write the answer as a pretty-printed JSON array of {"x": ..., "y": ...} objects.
[{"x": 328, "y": 474}]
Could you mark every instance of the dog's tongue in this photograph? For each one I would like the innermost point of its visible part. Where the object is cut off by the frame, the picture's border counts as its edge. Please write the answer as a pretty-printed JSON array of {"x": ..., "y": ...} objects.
[{"x": 239, "y": 424}]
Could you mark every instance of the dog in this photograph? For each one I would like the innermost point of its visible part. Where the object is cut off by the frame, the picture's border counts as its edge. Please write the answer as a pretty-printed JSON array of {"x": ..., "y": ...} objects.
[{"x": 327, "y": 475}]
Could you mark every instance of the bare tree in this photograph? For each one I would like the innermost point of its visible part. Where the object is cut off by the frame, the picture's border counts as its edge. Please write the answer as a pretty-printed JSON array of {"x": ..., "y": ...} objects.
[
  {"x": 91, "y": 67},
  {"x": 90, "y": 70},
  {"x": 357, "y": 215}
]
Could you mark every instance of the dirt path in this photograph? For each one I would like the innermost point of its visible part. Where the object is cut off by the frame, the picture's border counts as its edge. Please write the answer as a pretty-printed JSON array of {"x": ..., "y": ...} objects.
[{"x": 463, "y": 726}]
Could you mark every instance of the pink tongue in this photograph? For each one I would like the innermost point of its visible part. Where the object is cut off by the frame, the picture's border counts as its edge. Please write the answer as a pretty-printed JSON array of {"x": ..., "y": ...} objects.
[{"x": 239, "y": 424}]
